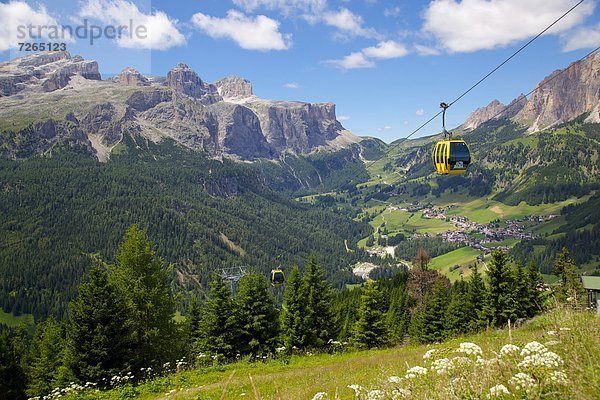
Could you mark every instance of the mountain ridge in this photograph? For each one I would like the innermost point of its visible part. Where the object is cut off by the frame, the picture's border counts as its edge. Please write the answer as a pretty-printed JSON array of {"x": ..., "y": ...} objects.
[{"x": 224, "y": 119}]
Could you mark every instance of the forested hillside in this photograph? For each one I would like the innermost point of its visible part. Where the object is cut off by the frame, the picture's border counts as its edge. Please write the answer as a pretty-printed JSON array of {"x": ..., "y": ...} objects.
[{"x": 60, "y": 209}]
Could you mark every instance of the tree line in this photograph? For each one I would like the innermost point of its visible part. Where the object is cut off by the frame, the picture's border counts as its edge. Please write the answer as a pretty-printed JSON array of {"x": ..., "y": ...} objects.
[{"x": 122, "y": 321}]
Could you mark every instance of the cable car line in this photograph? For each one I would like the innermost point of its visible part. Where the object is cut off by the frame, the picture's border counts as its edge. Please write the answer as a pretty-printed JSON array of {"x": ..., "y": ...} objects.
[{"x": 402, "y": 140}]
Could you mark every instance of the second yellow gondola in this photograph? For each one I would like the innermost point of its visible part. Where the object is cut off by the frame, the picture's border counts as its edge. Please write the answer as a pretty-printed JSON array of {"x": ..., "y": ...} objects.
[{"x": 277, "y": 277}]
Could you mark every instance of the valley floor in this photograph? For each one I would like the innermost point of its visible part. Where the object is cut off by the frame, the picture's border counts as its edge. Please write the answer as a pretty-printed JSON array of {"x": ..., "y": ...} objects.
[{"x": 575, "y": 337}]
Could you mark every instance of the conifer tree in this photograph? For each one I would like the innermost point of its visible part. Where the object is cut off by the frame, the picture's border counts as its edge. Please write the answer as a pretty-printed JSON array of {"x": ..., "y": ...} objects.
[
  {"x": 398, "y": 314},
  {"x": 521, "y": 290},
  {"x": 257, "y": 319},
  {"x": 571, "y": 289},
  {"x": 217, "y": 328},
  {"x": 294, "y": 312},
  {"x": 535, "y": 290},
  {"x": 503, "y": 291},
  {"x": 142, "y": 279},
  {"x": 316, "y": 291},
  {"x": 371, "y": 329},
  {"x": 99, "y": 334},
  {"x": 458, "y": 314},
  {"x": 194, "y": 318},
  {"x": 12, "y": 378},
  {"x": 44, "y": 363},
  {"x": 427, "y": 324},
  {"x": 477, "y": 301}
]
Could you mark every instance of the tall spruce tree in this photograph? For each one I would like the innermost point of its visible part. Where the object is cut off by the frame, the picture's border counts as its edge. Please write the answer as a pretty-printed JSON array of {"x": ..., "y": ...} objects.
[
  {"x": 44, "y": 362},
  {"x": 571, "y": 289},
  {"x": 458, "y": 315},
  {"x": 99, "y": 335},
  {"x": 427, "y": 324},
  {"x": 217, "y": 330},
  {"x": 318, "y": 319},
  {"x": 294, "y": 312},
  {"x": 477, "y": 301},
  {"x": 503, "y": 290},
  {"x": 371, "y": 329},
  {"x": 142, "y": 279},
  {"x": 257, "y": 319},
  {"x": 535, "y": 290},
  {"x": 12, "y": 377},
  {"x": 398, "y": 314}
]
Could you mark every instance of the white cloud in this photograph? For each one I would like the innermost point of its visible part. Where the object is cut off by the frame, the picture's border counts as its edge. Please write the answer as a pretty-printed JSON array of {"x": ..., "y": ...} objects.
[
  {"x": 386, "y": 50},
  {"x": 353, "y": 61},
  {"x": 365, "y": 58},
  {"x": 349, "y": 24},
  {"x": 471, "y": 25},
  {"x": 307, "y": 9},
  {"x": 583, "y": 38},
  {"x": 343, "y": 118},
  {"x": 384, "y": 129},
  {"x": 292, "y": 85},
  {"x": 161, "y": 32},
  {"x": 16, "y": 15},
  {"x": 392, "y": 12},
  {"x": 426, "y": 50},
  {"x": 251, "y": 33},
  {"x": 419, "y": 112}
]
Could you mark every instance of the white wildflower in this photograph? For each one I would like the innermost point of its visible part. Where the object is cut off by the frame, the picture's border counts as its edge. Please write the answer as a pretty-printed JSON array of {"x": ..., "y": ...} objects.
[
  {"x": 394, "y": 379},
  {"x": 551, "y": 333},
  {"x": 498, "y": 391},
  {"x": 469, "y": 349},
  {"x": 558, "y": 377},
  {"x": 565, "y": 329},
  {"x": 549, "y": 360},
  {"x": 280, "y": 349},
  {"x": 442, "y": 366},
  {"x": 376, "y": 395},
  {"x": 523, "y": 381},
  {"x": 320, "y": 396},
  {"x": 533, "y": 348},
  {"x": 461, "y": 361},
  {"x": 357, "y": 389},
  {"x": 508, "y": 349},
  {"x": 428, "y": 354},
  {"x": 552, "y": 343},
  {"x": 414, "y": 371}
]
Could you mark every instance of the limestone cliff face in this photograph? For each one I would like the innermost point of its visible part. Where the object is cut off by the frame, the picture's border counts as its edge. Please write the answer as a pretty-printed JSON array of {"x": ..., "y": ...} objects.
[
  {"x": 44, "y": 72},
  {"x": 224, "y": 119},
  {"x": 131, "y": 77},
  {"x": 561, "y": 97},
  {"x": 234, "y": 87},
  {"x": 185, "y": 80}
]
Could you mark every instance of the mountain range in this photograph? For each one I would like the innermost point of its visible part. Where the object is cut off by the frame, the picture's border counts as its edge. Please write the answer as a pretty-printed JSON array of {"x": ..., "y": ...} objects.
[{"x": 223, "y": 119}]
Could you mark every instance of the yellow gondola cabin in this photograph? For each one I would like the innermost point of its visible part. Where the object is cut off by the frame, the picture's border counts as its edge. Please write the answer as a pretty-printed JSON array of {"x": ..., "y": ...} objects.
[{"x": 451, "y": 156}]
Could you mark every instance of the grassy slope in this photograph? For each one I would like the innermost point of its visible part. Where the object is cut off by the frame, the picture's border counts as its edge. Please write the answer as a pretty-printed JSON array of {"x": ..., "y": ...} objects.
[
  {"x": 12, "y": 321},
  {"x": 304, "y": 376}
]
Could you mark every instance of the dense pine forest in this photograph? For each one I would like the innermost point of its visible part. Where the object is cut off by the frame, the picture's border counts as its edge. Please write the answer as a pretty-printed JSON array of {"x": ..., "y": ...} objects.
[
  {"x": 65, "y": 209},
  {"x": 121, "y": 325}
]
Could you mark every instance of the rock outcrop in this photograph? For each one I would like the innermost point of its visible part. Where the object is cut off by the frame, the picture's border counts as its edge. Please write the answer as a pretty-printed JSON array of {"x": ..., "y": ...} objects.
[
  {"x": 45, "y": 72},
  {"x": 561, "y": 97},
  {"x": 234, "y": 87},
  {"x": 185, "y": 80},
  {"x": 131, "y": 77}
]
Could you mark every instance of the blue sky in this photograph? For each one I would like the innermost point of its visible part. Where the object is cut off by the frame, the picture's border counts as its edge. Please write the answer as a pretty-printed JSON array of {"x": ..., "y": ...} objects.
[{"x": 386, "y": 64}]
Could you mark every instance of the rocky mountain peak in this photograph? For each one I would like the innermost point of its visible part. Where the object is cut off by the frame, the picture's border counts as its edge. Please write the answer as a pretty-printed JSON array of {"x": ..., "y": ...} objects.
[
  {"x": 131, "y": 77},
  {"x": 185, "y": 80},
  {"x": 45, "y": 72},
  {"x": 234, "y": 87},
  {"x": 481, "y": 115}
]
